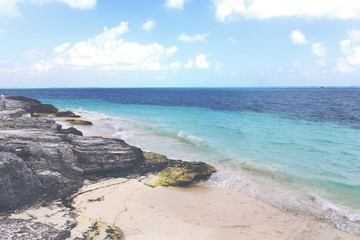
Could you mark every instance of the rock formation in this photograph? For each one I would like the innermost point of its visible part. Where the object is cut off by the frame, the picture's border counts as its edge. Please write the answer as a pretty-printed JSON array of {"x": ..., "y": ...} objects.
[
  {"x": 2, "y": 102},
  {"x": 41, "y": 162}
]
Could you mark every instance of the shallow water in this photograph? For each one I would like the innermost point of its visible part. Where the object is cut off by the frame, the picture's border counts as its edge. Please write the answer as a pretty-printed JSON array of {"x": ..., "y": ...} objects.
[{"x": 297, "y": 149}]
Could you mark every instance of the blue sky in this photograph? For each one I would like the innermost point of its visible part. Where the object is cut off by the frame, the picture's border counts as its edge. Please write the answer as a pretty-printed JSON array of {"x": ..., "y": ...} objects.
[{"x": 179, "y": 43}]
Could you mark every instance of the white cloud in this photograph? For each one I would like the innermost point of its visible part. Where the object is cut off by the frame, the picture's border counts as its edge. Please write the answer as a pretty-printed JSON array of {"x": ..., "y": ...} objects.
[
  {"x": 8, "y": 8},
  {"x": 178, "y": 4},
  {"x": 195, "y": 38},
  {"x": 176, "y": 65},
  {"x": 189, "y": 64},
  {"x": 345, "y": 46},
  {"x": 201, "y": 61},
  {"x": 61, "y": 48},
  {"x": 351, "y": 50},
  {"x": 298, "y": 37},
  {"x": 171, "y": 50},
  {"x": 354, "y": 36},
  {"x": 319, "y": 49},
  {"x": 148, "y": 26},
  {"x": 41, "y": 66},
  {"x": 354, "y": 58},
  {"x": 343, "y": 66},
  {"x": 1, "y": 31},
  {"x": 322, "y": 63},
  {"x": 108, "y": 51},
  {"x": 228, "y": 10},
  {"x": 32, "y": 54},
  {"x": 232, "y": 40},
  {"x": 80, "y": 4}
]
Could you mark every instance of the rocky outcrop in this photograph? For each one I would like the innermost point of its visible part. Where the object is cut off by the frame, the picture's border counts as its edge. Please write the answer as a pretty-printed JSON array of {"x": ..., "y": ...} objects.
[
  {"x": 99, "y": 157},
  {"x": 44, "y": 164},
  {"x": 30, "y": 105},
  {"x": 41, "y": 162}
]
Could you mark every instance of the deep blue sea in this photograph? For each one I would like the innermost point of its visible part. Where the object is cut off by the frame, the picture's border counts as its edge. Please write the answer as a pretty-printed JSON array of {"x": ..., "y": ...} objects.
[{"x": 295, "y": 148}]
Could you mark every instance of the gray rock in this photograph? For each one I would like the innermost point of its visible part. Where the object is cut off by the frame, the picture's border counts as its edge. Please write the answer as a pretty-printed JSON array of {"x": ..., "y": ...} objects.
[
  {"x": 41, "y": 162},
  {"x": 13, "y": 113},
  {"x": 19, "y": 184},
  {"x": 2, "y": 103},
  {"x": 26, "y": 229},
  {"x": 106, "y": 157},
  {"x": 30, "y": 105},
  {"x": 71, "y": 130}
]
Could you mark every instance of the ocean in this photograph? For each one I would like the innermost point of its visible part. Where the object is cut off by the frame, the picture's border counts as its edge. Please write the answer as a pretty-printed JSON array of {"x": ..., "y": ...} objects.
[{"x": 296, "y": 148}]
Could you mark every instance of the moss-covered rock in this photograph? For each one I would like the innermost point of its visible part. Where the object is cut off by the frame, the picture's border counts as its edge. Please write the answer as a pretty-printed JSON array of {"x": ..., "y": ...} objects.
[
  {"x": 78, "y": 122},
  {"x": 99, "y": 230},
  {"x": 181, "y": 173},
  {"x": 155, "y": 157},
  {"x": 154, "y": 162}
]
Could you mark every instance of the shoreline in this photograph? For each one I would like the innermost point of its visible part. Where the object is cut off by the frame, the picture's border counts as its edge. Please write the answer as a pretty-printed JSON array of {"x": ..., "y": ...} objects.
[
  {"x": 199, "y": 212},
  {"x": 125, "y": 206},
  {"x": 195, "y": 212}
]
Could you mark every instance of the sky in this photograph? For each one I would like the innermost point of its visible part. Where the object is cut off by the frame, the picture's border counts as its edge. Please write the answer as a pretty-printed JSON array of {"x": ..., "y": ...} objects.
[{"x": 179, "y": 43}]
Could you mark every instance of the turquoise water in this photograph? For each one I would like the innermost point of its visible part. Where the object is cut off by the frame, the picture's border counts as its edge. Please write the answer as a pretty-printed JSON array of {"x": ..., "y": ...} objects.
[
  {"x": 296, "y": 149},
  {"x": 309, "y": 168}
]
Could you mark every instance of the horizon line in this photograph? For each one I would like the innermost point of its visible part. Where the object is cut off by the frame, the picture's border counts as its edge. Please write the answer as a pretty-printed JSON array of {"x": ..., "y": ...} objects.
[{"x": 29, "y": 88}]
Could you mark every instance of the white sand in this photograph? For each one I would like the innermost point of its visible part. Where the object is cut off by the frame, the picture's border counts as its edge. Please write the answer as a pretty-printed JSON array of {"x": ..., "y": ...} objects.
[{"x": 193, "y": 213}]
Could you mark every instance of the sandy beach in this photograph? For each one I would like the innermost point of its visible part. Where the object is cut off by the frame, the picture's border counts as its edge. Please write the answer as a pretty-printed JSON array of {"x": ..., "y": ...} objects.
[{"x": 196, "y": 212}]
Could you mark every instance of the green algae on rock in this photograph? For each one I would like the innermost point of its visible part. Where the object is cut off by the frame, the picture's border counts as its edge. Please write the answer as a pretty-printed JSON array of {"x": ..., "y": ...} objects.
[
  {"x": 78, "y": 122},
  {"x": 155, "y": 157},
  {"x": 180, "y": 173},
  {"x": 99, "y": 230}
]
